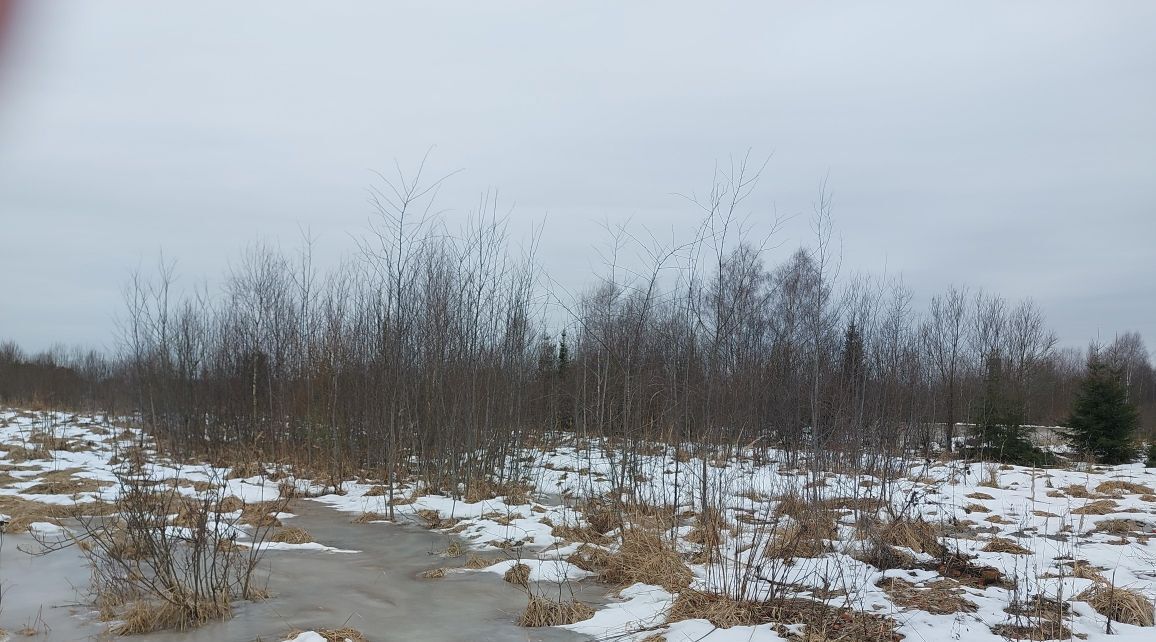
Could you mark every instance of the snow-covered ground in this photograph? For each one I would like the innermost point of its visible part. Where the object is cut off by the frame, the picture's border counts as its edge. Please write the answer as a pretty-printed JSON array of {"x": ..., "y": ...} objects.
[{"x": 1028, "y": 536}]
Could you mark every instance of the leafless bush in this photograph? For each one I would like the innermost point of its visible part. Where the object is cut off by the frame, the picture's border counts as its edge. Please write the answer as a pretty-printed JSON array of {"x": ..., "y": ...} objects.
[{"x": 168, "y": 560}]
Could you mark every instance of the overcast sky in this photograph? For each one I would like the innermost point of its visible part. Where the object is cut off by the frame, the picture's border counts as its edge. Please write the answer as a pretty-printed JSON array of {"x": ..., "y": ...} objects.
[{"x": 1008, "y": 146}]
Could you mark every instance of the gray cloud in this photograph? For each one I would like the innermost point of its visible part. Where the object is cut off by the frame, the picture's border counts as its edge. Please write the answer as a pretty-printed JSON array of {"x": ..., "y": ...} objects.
[{"x": 1007, "y": 146}]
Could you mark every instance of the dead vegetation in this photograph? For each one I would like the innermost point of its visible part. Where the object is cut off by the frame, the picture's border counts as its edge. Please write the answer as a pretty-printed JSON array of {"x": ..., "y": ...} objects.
[
  {"x": 368, "y": 517},
  {"x": 821, "y": 622},
  {"x": 542, "y": 611},
  {"x": 644, "y": 556},
  {"x": 148, "y": 576},
  {"x": 143, "y": 616},
  {"x": 476, "y": 562},
  {"x": 291, "y": 536},
  {"x": 940, "y": 597},
  {"x": 1118, "y": 486},
  {"x": 1097, "y": 507},
  {"x": 959, "y": 567},
  {"x": 434, "y": 520},
  {"x": 518, "y": 575},
  {"x": 1119, "y": 604},
  {"x": 1004, "y": 545},
  {"x": 344, "y": 634}
]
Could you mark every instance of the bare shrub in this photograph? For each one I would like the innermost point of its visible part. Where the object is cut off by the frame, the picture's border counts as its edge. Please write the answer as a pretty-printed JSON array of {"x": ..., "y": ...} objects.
[{"x": 151, "y": 573}]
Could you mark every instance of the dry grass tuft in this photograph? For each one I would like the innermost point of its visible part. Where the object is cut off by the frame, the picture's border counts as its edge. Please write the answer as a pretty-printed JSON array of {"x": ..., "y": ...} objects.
[
  {"x": 434, "y": 520},
  {"x": 61, "y": 482},
  {"x": 979, "y": 495},
  {"x": 1119, "y": 604},
  {"x": 17, "y": 454},
  {"x": 516, "y": 493},
  {"x": 376, "y": 491},
  {"x": 707, "y": 533},
  {"x": 1037, "y": 632},
  {"x": 579, "y": 534},
  {"x": 884, "y": 557},
  {"x": 541, "y": 611},
  {"x": 808, "y": 539},
  {"x": 146, "y": 617},
  {"x": 291, "y": 536},
  {"x": 590, "y": 558},
  {"x": 960, "y": 568},
  {"x": 230, "y": 504},
  {"x": 368, "y": 517},
  {"x": 941, "y": 597},
  {"x": 1097, "y": 507},
  {"x": 476, "y": 562},
  {"x": 1120, "y": 526},
  {"x": 344, "y": 634},
  {"x": 822, "y": 623},
  {"x": 23, "y": 512},
  {"x": 1076, "y": 490},
  {"x": 645, "y": 557},
  {"x": 720, "y": 610},
  {"x": 433, "y": 573},
  {"x": 1086, "y": 571},
  {"x": 916, "y": 534},
  {"x": 1003, "y": 545},
  {"x": 1120, "y": 486},
  {"x": 518, "y": 575},
  {"x": 246, "y": 469}
]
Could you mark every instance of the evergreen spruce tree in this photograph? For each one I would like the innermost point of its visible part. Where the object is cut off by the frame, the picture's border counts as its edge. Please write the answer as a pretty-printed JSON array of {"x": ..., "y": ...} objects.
[{"x": 1103, "y": 421}]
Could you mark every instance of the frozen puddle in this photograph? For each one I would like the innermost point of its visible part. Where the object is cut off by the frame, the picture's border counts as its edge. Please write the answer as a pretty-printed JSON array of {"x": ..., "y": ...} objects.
[{"x": 375, "y": 590}]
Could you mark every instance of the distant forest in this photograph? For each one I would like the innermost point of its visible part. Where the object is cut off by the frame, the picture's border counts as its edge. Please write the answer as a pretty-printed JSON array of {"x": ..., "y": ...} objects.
[{"x": 430, "y": 348}]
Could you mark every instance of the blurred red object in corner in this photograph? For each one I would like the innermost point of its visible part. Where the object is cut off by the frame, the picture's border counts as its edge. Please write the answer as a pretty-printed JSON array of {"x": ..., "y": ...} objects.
[{"x": 7, "y": 9}]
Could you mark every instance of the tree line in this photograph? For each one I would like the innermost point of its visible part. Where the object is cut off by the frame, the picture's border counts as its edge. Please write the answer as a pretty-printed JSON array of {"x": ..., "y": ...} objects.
[{"x": 441, "y": 352}]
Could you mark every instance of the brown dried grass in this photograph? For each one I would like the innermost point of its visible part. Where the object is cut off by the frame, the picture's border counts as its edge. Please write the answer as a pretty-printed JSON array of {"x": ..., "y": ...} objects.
[
  {"x": 1121, "y": 486},
  {"x": 707, "y": 534},
  {"x": 62, "y": 482},
  {"x": 146, "y": 617},
  {"x": 720, "y": 610},
  {"x": 518, "y": 575},
  {"x": 541, "y": 611},
  {"x": 434, "y": 520},
  {"x": 1097, "y": 507},
  {"x": 23, "y": 512},
  {"x": 367, "y": 517},
  {"x": 644, "y": 556},
  {"x": 916, "y": 534},
  {"x": 230, "y": 504},
  {"x": 1120, "y": 604},
  {"x": 941, "y": 597},
  {"x": 344, "y": 634},
  {"x": 1037, "y": 632},
  {"x": 477, "y": 562},
  {"x": 291, "y": 536},
  {"x": 1120, "y": 526},
  {"x": 1003, "y": 545},
  {"x": 590, "y": 558},
  {"x": 17, "y": 454},
  {"x": 579, "y": 534}
]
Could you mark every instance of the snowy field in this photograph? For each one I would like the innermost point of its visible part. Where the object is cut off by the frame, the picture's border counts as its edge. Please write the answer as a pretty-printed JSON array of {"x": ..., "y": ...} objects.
[{"x": 971, "y": 551}]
